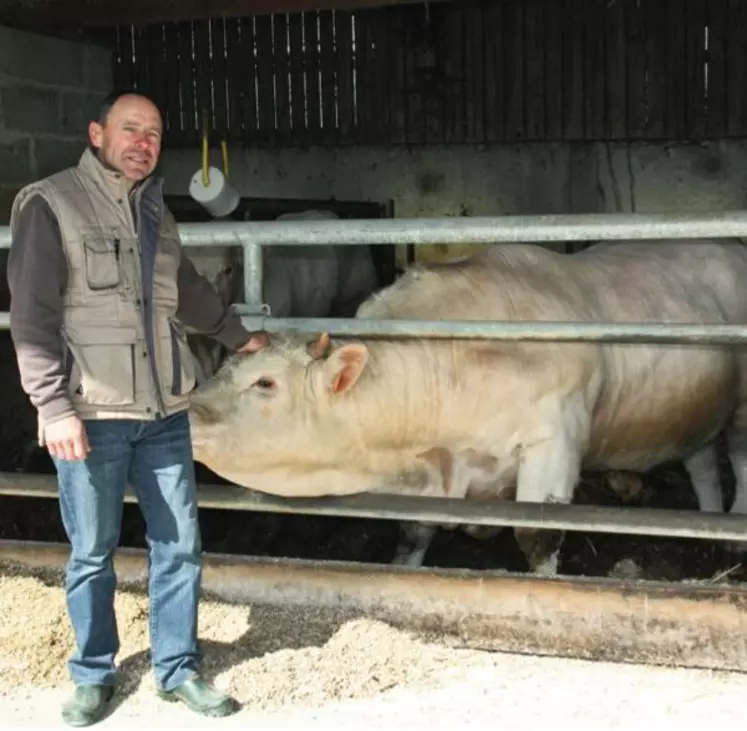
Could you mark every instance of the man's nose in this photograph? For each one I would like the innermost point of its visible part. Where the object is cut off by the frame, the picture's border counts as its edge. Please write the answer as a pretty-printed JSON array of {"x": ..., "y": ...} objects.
[{"x": 142, "y": 141}]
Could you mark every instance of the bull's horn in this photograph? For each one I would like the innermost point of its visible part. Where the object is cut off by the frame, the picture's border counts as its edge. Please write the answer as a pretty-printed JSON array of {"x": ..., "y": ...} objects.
[{"x": 318, "y": 348}]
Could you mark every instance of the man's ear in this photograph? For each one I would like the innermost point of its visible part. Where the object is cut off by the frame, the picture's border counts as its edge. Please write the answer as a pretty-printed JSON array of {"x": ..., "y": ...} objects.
[
  {"x": 344, "y": 366},
  {"x": 95, "y": 133}
]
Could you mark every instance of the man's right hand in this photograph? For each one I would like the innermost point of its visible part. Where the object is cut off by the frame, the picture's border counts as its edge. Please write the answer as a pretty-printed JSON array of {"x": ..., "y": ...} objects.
[{"x": 67, "y": 438}]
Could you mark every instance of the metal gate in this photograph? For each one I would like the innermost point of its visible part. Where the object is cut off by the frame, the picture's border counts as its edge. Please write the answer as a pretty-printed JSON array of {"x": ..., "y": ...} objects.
[
  {"x": 252, "y": 236},
  {"x": 687, "y": 625}
]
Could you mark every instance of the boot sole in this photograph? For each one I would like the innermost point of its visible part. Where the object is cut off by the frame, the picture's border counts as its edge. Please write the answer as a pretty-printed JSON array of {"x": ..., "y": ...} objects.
[
  {"x": 80, "y": 723},
  {"x": 224, "y": 709}
]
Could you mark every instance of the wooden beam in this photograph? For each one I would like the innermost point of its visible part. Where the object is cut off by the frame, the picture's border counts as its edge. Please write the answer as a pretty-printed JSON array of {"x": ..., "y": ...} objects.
[{"x": 44, "y": 15}]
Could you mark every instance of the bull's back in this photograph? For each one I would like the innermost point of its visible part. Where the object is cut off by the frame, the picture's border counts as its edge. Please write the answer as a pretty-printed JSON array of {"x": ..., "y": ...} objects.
[
  {"x": 657, "y": 401},
  {"x": 698, "y": 281},
  {"x": 689, "y": 281}
]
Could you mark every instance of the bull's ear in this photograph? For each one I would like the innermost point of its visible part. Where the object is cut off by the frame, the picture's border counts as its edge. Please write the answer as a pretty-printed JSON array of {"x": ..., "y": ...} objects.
[
  {"x": 344, "y": 366},
  {"x": 318, "y": 348}
]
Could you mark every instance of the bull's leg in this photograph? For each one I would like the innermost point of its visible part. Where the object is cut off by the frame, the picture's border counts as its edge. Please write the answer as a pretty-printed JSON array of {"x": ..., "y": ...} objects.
[
  {"x": 447, "y": 478},
  {"x": 703, "y": 470},
  {"x": 738, "y": 456},
  {"x": 737, "y": 444},
  {"x": 415, "y": 538},
  {"x": 548, "y": 474}
]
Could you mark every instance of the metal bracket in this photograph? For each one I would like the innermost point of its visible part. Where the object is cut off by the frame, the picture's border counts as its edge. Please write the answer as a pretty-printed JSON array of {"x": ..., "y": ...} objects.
[{"x": 248, "y": 309}]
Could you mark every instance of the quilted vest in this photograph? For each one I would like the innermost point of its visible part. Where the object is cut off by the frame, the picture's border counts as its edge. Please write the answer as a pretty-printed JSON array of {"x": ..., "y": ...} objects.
[{"x": 126, "y": 354}]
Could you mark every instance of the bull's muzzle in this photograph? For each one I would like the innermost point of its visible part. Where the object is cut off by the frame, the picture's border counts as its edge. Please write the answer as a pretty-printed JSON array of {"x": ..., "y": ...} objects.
[{"x": 201, "y": 413}]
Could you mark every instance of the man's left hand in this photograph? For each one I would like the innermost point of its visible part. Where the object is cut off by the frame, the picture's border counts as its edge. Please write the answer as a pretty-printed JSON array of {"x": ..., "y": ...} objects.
[{"x": 257, "y": 341}]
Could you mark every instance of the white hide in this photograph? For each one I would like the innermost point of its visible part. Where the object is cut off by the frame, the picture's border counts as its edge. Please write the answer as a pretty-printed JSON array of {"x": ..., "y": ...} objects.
[
  {"x": 313, "y": 281},
  {"x": 376, "y": 414},
  {"x": 298, "y": 281}
]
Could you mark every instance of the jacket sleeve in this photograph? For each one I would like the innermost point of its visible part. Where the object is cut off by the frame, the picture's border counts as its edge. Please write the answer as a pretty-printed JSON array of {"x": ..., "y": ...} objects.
[
  {"x": 201, "y": 308},
  {"x": 37, "y": 279}
]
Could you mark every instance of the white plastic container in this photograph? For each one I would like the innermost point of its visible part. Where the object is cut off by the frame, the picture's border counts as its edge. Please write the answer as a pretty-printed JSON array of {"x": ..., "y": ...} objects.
[{"x": 219, "y": 198}]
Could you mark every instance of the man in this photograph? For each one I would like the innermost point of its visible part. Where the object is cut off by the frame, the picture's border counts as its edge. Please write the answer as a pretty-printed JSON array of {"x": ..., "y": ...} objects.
[{"x": 98, "y": 280}]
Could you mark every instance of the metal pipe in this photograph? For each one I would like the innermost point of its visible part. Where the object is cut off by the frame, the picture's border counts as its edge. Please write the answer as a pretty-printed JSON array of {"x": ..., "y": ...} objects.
[
  {"x": 596, "y": 519},
  {"x": 491, "y": 330},
  {"x": 253, "y": 276},
  {"x": 475, "y": 229},
  {"x": 680, "y": 625},
  {"x": 487, "y": 330}
]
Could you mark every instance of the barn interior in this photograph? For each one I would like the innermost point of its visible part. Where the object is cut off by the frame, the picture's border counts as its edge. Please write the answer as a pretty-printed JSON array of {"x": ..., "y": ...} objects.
[{"x": 392, "y": 109}]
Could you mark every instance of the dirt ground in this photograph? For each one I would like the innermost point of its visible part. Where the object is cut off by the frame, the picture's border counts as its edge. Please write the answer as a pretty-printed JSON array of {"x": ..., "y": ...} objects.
[
  {"x": 292, "y": 669},
  {"x": 269, "y": 656}
]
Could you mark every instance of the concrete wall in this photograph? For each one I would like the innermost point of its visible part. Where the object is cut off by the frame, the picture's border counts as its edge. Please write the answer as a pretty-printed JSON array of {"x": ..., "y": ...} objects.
[
  {"x": 49, "y": 88},
  {"x": 503, "y": 179}
]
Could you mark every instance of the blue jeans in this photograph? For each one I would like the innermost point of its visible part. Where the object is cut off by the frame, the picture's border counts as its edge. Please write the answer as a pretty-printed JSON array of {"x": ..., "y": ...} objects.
[{"x": 156, "y": 458}]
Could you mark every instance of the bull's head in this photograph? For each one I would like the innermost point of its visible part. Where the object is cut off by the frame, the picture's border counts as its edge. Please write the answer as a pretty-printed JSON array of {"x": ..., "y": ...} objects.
[{"x": 260, "y": 408}]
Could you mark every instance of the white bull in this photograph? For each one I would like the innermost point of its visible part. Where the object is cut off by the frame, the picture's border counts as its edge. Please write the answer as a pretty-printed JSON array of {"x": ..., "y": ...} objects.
[
  {"x": 298, "y": 281},
  {"x": 498, "y": 419}
]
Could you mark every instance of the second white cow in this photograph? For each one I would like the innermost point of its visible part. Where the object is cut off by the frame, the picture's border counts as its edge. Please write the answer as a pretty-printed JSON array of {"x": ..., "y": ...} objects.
[{"x": 298, "y": 281}]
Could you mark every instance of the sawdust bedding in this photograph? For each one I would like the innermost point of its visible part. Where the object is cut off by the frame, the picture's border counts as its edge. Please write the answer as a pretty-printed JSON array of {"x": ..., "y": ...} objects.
[{"x": 269, "y": 657}]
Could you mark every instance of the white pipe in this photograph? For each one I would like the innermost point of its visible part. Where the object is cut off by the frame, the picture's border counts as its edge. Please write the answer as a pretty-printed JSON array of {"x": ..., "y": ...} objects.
[
  {"x": 489, "y": 330},
  {"x": 474, "y": 229}
]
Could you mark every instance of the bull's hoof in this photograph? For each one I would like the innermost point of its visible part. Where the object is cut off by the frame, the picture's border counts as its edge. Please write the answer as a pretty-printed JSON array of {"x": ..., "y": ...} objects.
[
  {"x": 625, "y": 568},
  {"x": 547, "y": 566},
  {"x": 414, "y": 558},
  {"x": 482, "y": 532},
  {"x": 541, "y": 548},
  {"x": 415, "y": 539}
]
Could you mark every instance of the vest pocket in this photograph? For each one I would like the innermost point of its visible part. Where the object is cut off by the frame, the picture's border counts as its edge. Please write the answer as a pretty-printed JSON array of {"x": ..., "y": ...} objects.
[
  {"x": 102, "y": 369},
  {"x": 102, "y": 265}
]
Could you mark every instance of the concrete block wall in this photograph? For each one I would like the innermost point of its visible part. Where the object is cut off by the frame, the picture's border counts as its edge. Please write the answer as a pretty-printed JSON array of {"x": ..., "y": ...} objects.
[
  {"x": 491, "y": 180},
  {"x": 49, "y": 89}
]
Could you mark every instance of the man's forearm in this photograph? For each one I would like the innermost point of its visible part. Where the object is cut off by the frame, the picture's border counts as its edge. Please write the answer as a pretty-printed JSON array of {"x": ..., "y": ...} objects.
[
  {"x": 201, "y": 308},
  {"x": 37, "y": 277}
]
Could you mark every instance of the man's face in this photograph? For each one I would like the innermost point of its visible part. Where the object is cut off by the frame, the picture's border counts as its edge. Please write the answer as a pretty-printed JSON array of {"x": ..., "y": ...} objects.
[{"x": 130, "y": 140}]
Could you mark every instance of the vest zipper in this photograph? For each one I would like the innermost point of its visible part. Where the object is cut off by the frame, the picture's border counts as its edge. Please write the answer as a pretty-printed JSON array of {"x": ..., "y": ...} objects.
[{"x": 146, "y": 307}]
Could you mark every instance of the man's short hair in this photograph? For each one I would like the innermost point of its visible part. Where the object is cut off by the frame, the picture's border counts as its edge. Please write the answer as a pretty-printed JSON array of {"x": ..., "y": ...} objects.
[{"x": 112, "y": 97}]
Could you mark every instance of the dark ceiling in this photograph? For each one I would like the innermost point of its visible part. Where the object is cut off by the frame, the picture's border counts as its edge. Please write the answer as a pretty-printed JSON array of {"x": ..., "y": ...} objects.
[{"x": 71, "y": 16}]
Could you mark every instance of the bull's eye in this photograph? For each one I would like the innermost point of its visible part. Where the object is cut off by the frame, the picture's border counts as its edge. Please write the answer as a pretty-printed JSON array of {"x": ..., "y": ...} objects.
[{"x": 266, "y": 384}]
